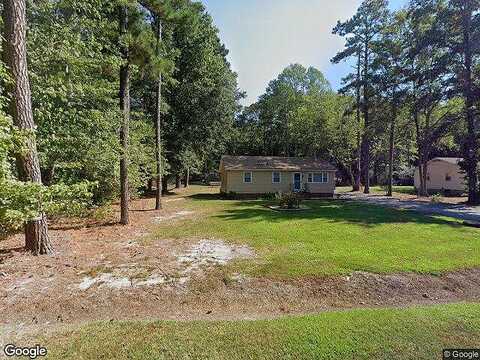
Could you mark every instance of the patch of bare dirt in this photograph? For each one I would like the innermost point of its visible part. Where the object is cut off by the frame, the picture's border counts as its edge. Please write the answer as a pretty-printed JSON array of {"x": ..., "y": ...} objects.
[{"x": 107, "y": 271}]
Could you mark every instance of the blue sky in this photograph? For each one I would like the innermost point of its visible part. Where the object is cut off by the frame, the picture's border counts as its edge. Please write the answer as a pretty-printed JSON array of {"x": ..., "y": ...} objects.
[{"x": 265, "y": 36}]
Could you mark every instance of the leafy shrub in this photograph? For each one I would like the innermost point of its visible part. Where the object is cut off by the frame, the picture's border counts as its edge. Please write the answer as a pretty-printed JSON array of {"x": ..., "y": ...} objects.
[
  {"x": 24, "y": 201},
  {"x": 436, "y": 198},
  {"x": 288, "y": 200},
  {"x": 384, "y": 188},
  {"x": 269, "y": 196},
  {"x": 231, "y": 195}
]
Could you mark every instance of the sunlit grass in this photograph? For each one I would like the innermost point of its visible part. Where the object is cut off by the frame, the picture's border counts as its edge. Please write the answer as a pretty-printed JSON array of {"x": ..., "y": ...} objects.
[
  {"x": 388, "y": 334},
  {"x": 334, "y": 237}
]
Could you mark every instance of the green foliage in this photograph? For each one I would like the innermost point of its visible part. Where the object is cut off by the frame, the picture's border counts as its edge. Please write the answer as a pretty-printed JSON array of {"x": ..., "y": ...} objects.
[
  {"x": 203, "y": 97},
  {"x": 74, "y": 53},
  {"x": 269, "y": 196},
  {"x": 24, "y": 201},
  {"x": 288, "y": 200},
  {"x": 294, "y": 117}
]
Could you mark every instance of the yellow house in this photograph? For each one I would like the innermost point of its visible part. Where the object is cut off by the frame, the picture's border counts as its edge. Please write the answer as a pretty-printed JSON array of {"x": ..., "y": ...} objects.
[
  {"x": 443, "y": 175},
  {"x": 254, "y": 175}
]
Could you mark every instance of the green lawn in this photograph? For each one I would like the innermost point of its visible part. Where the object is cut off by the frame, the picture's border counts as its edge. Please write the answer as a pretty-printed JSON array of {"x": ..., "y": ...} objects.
[
  {"x": 380, "y": 190},
  {"x": 334, "y": 237},
  {"x": 417, "y": 333}
]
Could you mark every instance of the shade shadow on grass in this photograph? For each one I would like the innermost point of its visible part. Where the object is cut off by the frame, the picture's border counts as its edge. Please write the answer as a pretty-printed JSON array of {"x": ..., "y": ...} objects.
[{"x": 333, "y": 211}]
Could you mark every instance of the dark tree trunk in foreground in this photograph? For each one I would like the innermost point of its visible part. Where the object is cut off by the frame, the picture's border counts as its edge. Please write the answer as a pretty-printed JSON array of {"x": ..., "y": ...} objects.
[
  {"x": 358, "y": 162},
  {"x": 158, "y": 127},
  {"x": 124, "y": 95},
  {"x": 471, "y": 148},
  {"x": 15, "y": 54}
]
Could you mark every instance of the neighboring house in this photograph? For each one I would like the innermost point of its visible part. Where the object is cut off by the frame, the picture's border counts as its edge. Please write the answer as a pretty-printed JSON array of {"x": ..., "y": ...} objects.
[
  {"x": 444, "y": 176},
  {"x": 269, "y": 174}
]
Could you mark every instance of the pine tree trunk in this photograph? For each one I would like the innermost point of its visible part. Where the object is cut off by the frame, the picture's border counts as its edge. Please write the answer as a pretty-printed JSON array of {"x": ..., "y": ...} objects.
[
  {"x": 28, "y": 165},
  {"x": 420, "y": 149},
  {"x": 178, "y": 182},
  {"x": 358, "y": 168},
  {"x": 366, "y": 135},
  {"x": 391, "y": 149},
  {"x": 164, "y": 185},
  {"x": 158, "y": 126},
  {"x": 187, "y": 178},
  {"x": 471, "y": 148},
  {"x": 124, "y": 95}
]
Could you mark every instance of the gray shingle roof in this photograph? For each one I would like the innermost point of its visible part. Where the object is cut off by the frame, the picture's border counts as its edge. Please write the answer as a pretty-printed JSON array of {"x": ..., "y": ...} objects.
[{"x": 275, "y": 163}]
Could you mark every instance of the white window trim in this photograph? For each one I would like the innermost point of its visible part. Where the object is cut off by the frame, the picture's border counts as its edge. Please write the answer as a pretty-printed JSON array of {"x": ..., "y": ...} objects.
[
  {"x": 313, "y": 177},
  {"x": 279, "y": 177},
  {"x": 251, "y": 177}
]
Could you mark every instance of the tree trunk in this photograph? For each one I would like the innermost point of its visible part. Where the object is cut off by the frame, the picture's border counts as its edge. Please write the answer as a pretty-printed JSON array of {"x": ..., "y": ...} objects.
[
  {"x": 28, "y": 165},
  {"x": 164, "y": 185},
  {"x": 366, "y": 135},
  {"x": 358, "y": 168},
  {"x": 124, "y": 94},
  {"x": 178, "y": 182},
  {"x": 187, "y": 178},
  {"x": 420, "y": 149},
  {"x": 391, "y": 149},
  {"x": 471, "y": 148},
  {"x": 158, "y": 126}
]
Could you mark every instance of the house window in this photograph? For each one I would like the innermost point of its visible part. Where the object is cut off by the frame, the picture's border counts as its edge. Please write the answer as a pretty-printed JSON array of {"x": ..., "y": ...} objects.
[
  {"x": 318, "y": 177},
  {"x": 448, "y": 177},
  {"x": 276, "y": 179},
  {"x": 247, "y": 177}
]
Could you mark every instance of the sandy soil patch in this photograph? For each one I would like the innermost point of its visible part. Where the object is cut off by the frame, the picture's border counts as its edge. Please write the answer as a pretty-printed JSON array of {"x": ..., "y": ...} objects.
[{"x": 174, "y": 216}]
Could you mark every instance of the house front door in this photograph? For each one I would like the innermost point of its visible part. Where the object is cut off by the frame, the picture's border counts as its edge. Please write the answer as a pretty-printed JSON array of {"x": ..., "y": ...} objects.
[{"x": 297, "y": 181}]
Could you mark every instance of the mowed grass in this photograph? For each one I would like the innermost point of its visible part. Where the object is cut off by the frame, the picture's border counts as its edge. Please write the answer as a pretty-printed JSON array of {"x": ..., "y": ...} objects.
[
  {"x": 416, "y": 333},
  {"x": 333, "y": 237},
  {"x": 410, "y": 190}
]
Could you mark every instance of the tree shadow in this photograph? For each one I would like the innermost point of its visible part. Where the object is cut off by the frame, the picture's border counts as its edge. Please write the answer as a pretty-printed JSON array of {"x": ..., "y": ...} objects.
[
  {"x": 12, "y": 250},
  {"x": 83, "y": 225},
  {"x": 335, "y": 211},
  {"x": 9, "y": 252},
  {"x": 206, "y": 196}
]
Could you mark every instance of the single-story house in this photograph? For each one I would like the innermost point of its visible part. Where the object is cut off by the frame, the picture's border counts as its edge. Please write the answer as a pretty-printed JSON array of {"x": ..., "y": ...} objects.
[
  {"x": 254, "y": 175},
  {"x": 443, "y": 176}
]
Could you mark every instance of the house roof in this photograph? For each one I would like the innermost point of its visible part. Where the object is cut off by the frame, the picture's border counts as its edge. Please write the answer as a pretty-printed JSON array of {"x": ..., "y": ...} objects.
[
  {"x": 275, "y": 163},
  {"x": 451, "y": 160}
]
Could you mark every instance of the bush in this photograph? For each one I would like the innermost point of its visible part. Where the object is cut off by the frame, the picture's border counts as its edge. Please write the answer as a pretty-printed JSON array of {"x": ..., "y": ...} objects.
[
  {"x": 289, "y": 200},
  {"x": 231, "y": 195},
  {"x": 24, "y": 201},
  {"x": 269, "y": 196}
]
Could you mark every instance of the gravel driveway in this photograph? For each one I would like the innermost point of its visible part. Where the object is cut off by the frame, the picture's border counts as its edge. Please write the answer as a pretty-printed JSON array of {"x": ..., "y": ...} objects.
[{"x": 462, "y": 212}]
